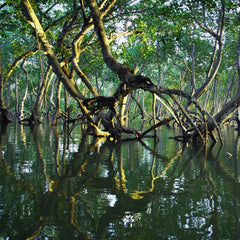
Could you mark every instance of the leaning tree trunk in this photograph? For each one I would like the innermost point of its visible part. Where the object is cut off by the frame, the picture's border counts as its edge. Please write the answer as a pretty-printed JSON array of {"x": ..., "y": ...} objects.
[
  {"x": 33, "y": 120},
  {"x": 227, "y": 110},
  {"x": 68, "y": 81},
  {"x": 46, "y": 91},
  {"x": 129, "y": 82},
  {"x": 16, "y": 63},
  {"x": 216, "y": 57}
]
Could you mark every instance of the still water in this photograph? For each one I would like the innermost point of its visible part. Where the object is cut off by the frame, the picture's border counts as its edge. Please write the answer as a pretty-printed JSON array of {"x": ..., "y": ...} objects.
[{"x": 58, "y": 187}]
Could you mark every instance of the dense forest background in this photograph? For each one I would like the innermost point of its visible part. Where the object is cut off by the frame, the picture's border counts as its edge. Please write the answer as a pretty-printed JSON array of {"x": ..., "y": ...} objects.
[{"x": 122, "y": 67}]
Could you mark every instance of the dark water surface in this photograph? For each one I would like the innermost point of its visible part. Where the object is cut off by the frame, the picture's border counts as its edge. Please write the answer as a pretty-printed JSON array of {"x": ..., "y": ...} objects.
[{"x": 54, "y": 187}]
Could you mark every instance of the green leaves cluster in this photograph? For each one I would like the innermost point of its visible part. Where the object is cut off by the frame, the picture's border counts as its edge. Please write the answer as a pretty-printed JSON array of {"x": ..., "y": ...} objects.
[{"x": 163, "y": 34}]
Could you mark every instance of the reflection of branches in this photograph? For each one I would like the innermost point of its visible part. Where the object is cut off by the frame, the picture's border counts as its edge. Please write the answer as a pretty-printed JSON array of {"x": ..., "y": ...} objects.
[
  {"x": 57, "y": 152},
  {"x": 82, "y": 173},
  {"x": 74, "y": 221},
  {"x": 211, "y": 190},
  {"x": 213, "y": 199},
  {"x": 171, "y": 167},
  {"x": 223, "y": 171},
  {"x": 18, "y": 185},
  {"x": 153, "y": 151},
  {"x": 77, "y": 170},
  {"x": 40, "y": 151},
  {"x": 121, "y": 172},
  {"x": 138, "y": 200},
  {"x": 139, "y": 194},
  {"x": 51, "y": 199},
  {"x": 123, "y": 205}
]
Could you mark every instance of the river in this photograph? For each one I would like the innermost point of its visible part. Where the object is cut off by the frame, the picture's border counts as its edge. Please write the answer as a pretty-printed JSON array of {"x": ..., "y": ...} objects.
[{"x": 57, "y": 187}]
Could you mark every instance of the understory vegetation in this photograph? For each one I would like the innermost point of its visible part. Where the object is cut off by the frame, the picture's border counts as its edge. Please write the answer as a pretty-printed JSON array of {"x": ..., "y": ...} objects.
[{"x": 122, "y": 68}]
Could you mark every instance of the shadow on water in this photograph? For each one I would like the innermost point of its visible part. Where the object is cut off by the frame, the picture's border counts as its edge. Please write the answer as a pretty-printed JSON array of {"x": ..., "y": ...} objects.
[{"x": 56, "y": 187}]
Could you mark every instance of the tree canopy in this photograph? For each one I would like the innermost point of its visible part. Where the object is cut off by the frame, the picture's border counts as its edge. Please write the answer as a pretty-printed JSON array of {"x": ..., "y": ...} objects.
[{"x": 122, "y": 67}]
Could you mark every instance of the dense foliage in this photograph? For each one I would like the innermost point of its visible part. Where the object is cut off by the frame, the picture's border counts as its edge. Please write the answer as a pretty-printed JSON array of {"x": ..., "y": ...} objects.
[{"x": 189, "y": 45}]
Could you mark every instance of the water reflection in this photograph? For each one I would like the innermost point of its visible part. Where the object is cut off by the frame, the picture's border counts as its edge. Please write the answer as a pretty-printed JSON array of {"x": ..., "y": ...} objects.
[{"x": 56, "y": 187}]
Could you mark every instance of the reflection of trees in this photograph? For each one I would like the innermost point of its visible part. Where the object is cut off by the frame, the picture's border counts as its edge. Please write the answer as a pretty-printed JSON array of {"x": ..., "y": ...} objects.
[
  {"x": 20, "y": 192},
  {"x": 74, "y": 199}
]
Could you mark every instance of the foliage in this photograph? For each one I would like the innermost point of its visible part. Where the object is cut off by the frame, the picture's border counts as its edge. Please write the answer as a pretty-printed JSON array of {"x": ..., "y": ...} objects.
[{"x": 159, "y": 40}]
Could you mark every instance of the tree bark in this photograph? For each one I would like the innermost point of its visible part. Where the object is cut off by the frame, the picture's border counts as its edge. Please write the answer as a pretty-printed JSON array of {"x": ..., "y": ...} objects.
[
  {"x": 3, "y": 107},
  {"x": 238, "y": 59},
  {"x": 129, "y": 81},
  {"x": 123, "y": 71},
  {"x": 16, "y": 95},
  {"x": 2, "y": 103},
  {"x": 25, "y": 93},
  {"x": 57, "y": 105},
  {"x": 227, "y": 110},
  {"x": 16, "y": 62},
  {"x": 216, "y": 55},
  {"x": 41, "y": 89},
  {"x": 69, "y": 83}
]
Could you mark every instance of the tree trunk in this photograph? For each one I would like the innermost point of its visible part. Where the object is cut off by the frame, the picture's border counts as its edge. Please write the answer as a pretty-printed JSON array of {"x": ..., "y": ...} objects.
[
  {"x": 238, "y": 59},
  {"x": 16, "y": 62},
  {"x": 122, "y": 112},
  {"x": 2, "y": 103},
  {"x": 227, "y": 110},
  {"x": 25, "y": 93},
  {"x": 129, "y": 81},
  {"x": 193, "y": 86},
  {"x": 217, "y": 52},
  {"x": 46, "y": 90},
  {"x": 41, "y": 90},
  {"x": 69, "y": 83},
  {"x": 51, "y": 97},
  {"x": 63, "y": 76},
  {"x": 57, "y": 105},
  {"x": 3, "y": 107},
  {"x": 16, "y": 95}
]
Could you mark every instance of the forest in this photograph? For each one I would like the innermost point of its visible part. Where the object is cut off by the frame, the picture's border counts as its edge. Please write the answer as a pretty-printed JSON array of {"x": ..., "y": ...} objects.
[
  {"x": 119, "y": 119},
  {"x": 121, "y": 69}
]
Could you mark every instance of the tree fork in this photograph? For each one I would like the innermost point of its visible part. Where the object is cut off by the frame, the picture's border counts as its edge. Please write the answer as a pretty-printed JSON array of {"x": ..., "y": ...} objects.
[{"x": 70, "y": 85}]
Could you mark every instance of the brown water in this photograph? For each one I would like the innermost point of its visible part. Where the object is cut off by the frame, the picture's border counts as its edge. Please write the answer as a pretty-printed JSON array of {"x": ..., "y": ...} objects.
[{"x": 54, "y": 187}]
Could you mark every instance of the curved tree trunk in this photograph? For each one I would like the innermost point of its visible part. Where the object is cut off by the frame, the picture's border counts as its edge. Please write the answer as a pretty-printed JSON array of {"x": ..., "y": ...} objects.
[
  {"x": 228, "y": 110},
  {"x": 129, "y": 82},
  {"x": 25, "y": 93},
  {"x": 63, "y": 76},
  {"x": 123, "y": 71},
  {"x": 69, "y": 83},
  {"x": 217, "y": 52},
  {"x": 16, "y": 62}
]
